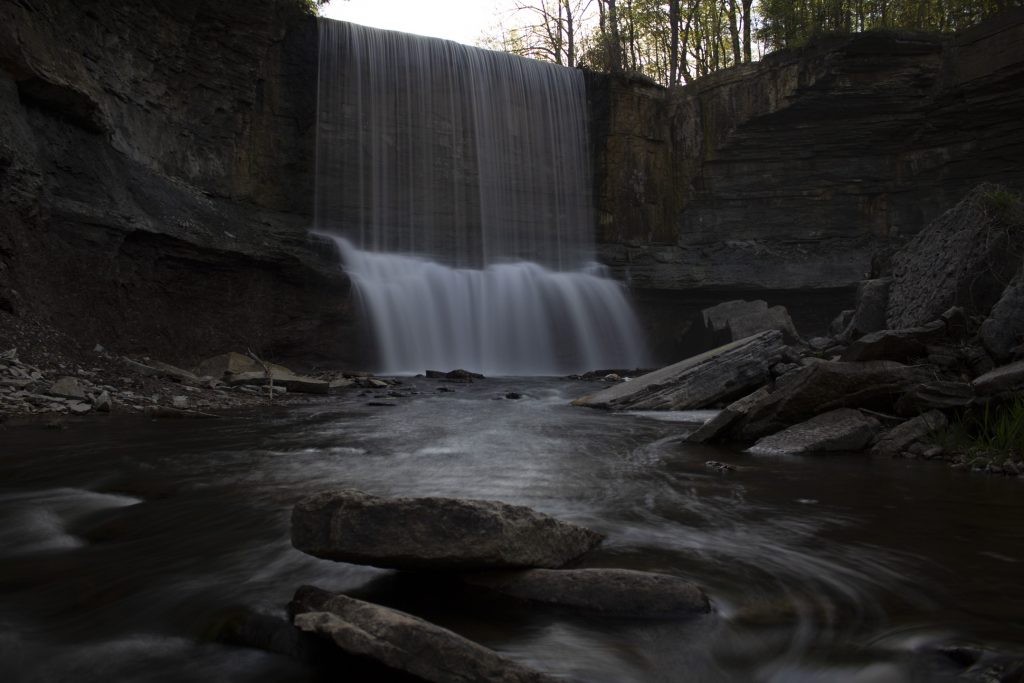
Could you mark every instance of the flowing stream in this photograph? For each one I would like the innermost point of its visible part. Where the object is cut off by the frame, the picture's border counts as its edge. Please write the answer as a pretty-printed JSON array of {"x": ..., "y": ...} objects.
[{"x": 124, "y": 542}]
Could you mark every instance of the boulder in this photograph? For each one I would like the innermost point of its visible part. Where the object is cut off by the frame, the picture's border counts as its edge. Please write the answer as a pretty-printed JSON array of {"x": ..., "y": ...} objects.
[
  {"x": 1007, "y": 378},
  {"x": 434, "y": 533},
  {"x": 714, "y": 321},
  {"x": 102, "y": 403},
  {"x": 408, "y": 644},
  {"x": 453, "y": 374},
  {"x": 838, "y": 326},
  {"x": 606, "y": 592},
  {"x": 897, "y": 345},
  {"x": 68, "y": 387},
  {"x": 721, "y": 422},
  {"x": 869, "y": 315},
  {"x": 963, "y": 258},
  {"x": 774, "y": 318},
  {"x": 937, "y": 395},
  {"x": 702, "y": 381},
  {"x": 233, "y": 363},
  {"x": 899, "y": 438},
  {"x": 1003, "y": 331},
  {"x": 843, "y": 429},
  {"x": 823, "y": 386}
]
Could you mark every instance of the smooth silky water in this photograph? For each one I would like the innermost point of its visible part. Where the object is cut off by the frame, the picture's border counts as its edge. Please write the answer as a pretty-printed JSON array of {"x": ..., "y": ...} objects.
[
  {"x": 457, "y": 184},
  {"x": 124, "y": 541}
]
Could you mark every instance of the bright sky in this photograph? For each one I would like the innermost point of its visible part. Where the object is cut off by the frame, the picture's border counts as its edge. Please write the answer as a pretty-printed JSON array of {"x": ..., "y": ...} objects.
[{"x": 459, "y": 20}]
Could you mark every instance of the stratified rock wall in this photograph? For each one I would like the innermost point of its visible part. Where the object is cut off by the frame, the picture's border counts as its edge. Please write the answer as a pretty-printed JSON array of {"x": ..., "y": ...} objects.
[
  {"x": 804, "y": 171},
  {"x": 156, "y": 168}
]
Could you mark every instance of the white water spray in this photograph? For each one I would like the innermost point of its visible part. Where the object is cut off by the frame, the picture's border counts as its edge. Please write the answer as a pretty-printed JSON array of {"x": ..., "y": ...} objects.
[{"x": 456, "y": 182}]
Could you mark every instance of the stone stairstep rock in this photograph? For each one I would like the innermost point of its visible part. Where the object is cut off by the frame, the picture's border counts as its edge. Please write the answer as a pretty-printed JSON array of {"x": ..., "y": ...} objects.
[
  {"x": 843, "y": 429},
  {"x": 710, "y": 378},
  {"x": 605, "y": 592},
  {"x": 434, "y": 533}
]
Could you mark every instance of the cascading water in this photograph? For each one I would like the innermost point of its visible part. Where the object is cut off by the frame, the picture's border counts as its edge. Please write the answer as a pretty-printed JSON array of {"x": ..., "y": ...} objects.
[{"x": 456, "y": 182}]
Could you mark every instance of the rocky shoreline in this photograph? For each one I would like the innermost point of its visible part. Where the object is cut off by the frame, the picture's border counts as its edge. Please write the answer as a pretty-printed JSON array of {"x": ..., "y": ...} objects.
[{"x": 928, "y": 349}]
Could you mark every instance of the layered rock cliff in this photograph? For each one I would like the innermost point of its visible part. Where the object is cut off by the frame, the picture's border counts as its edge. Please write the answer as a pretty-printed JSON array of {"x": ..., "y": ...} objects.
[
  {"x": 155, "y": 160},
  {"x": 799, "y": 174},
  {"x": 156, "y": 164}
]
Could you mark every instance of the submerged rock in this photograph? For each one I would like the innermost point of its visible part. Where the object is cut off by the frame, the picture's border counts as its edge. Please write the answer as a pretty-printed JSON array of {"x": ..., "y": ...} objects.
[
  {"x": 843, "y": 429},
  {"x": 406, "y": 643},
  {"x": 718, "y": 375},
  {"x": 607, "y": 592},
  {"x": 434, "y": 533}
]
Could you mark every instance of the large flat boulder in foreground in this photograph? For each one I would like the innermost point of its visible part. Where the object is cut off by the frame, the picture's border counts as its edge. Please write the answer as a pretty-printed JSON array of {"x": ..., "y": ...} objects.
[
  {"x": 406, "y": 643},
  {"x": 605, "y": 592},
  {"x": 843, "y": 429},
  {"x": 710, "y": 378},
  {"x": 434, "y": 533}
]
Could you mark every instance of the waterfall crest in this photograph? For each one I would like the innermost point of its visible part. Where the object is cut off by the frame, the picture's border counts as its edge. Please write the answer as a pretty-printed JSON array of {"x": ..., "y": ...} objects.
[{"x": 457, "y": 183}]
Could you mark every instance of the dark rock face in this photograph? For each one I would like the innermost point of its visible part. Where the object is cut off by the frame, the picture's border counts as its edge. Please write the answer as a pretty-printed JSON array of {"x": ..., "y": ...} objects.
[
  {"x": 434, "y": 533},
  {"x": 843, "y": 429},
  {"x": 606, "y": 592},
  {"x": 406, "y": 643},
  {"x": 805, "y": 171},
  {"x": 1007, "y": 378},
  {"x": 964, "y": 258},
  {"x": 156, "y": 166}
]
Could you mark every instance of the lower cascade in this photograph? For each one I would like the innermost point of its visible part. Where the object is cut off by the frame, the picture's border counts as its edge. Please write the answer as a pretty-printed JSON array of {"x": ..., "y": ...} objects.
[
  {"x": 457, "y": 183},
  {"x": 506, "y": 319}
]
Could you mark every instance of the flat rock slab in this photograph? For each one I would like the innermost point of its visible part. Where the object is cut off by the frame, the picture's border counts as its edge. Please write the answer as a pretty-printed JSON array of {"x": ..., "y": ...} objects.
[
  {"x": 823, "y": 386},
  {"x": 843, "y": 429},
  {"x": 606, "y": 592},
  {"x": 721, "y": 374},
  {"x": 1007, "y": 378},
  {"x": 68, "y": 387},
  {"x": 434, "y": 533},
  {"x": 409, "y": 644},
  {"x": 937, "y": 395}
]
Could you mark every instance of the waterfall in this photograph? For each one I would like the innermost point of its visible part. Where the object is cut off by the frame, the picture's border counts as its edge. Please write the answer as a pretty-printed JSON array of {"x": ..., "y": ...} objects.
[{"x": 457, "y": 184}]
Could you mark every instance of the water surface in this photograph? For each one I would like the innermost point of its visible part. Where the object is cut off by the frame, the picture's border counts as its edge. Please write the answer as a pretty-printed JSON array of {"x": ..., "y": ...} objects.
[{"x": 123, "y": 541}]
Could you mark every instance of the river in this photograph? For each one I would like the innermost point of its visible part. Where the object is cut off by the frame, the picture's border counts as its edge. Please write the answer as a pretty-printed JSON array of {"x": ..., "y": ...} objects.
[{"x": 124, "y": 541}]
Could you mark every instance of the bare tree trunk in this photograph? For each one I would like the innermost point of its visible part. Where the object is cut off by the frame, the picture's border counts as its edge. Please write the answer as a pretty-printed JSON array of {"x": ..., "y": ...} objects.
[
  {"x": 570, "y": 35},
  {"x": 746, "y": 30},
  {"x": 734, "y": 31},
  {"x": 673, "y": 50},
  {"x": 615, "y": 47}
]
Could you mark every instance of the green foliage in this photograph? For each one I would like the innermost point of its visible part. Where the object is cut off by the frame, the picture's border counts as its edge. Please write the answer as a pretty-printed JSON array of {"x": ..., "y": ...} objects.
[
  {"x": 1001, "y": 202},
  {"x": 791, "y": 23},
  {"x": 990, "y": 434}
]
